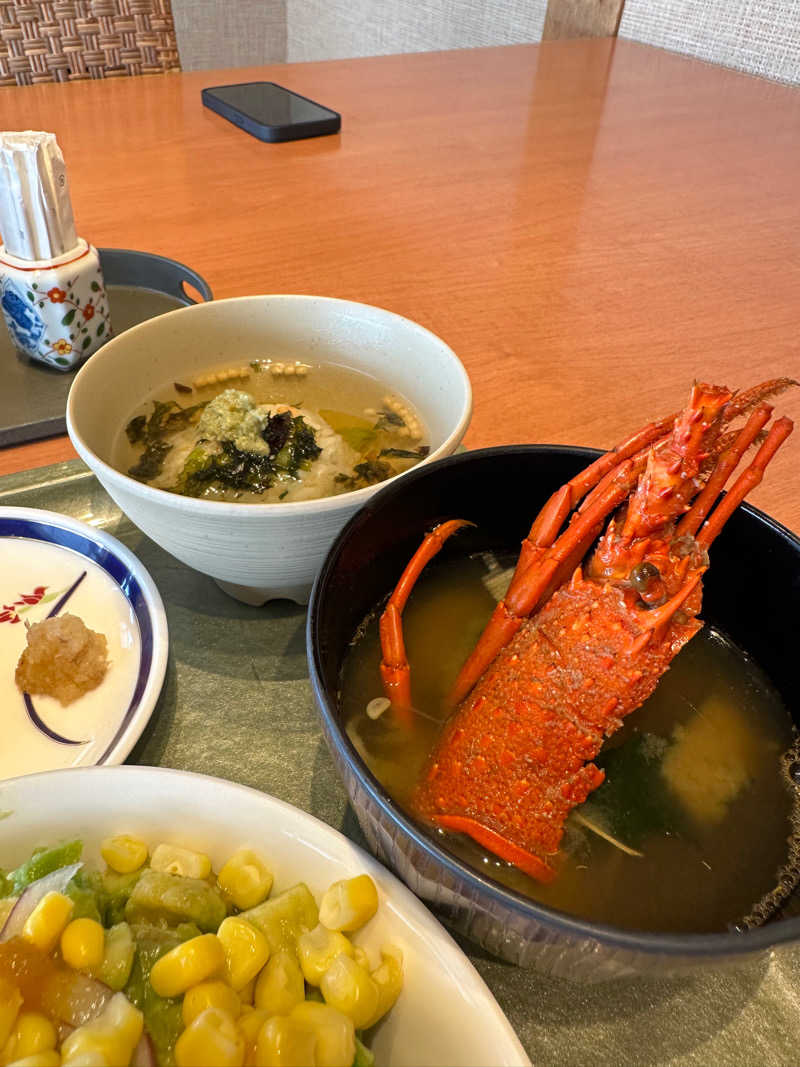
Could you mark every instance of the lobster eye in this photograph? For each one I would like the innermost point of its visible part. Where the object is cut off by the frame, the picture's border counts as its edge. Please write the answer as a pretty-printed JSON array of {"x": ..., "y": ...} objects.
[{"x": 643, "y": 575}]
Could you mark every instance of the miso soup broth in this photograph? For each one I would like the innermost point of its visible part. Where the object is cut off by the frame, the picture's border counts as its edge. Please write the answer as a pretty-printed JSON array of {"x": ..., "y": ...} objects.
[
  {"x": 696, "y": 820},
  {"x": 269, "y": 431}
]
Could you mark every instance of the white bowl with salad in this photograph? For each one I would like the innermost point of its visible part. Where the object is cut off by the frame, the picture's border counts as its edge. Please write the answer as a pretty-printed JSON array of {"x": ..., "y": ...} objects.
[
  {"x": 242, "y": 434},
  {"x": 164, "y": 918}
]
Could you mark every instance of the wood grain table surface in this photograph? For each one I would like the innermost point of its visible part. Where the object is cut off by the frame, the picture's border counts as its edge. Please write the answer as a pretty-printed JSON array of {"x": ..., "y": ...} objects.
[{"x": 590, "y": 224}]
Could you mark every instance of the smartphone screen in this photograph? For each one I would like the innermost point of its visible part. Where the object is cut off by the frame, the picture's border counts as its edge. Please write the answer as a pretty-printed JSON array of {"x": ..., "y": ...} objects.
[{"x": 272, "y": 107}]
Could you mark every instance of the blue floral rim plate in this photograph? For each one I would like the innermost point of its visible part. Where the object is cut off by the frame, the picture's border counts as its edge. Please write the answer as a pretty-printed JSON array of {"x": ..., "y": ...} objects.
[{"x": 53, "y": 565}]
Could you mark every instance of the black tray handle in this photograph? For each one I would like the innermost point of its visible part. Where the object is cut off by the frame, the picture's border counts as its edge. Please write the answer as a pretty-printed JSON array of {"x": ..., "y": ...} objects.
[{"x": 145, "y": 270}]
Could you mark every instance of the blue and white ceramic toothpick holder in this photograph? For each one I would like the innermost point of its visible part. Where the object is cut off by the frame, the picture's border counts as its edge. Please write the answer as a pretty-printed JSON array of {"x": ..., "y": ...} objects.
[{"x": 56, "y": 310}]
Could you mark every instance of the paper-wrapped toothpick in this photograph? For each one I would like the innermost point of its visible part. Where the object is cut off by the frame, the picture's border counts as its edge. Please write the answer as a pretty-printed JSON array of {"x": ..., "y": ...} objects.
[
  {"x": 51, "y": 285},
  {"x": 36, "y": 218}
]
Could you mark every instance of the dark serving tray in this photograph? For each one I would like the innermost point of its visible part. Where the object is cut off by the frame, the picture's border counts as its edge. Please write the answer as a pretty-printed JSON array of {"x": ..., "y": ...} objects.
[{"x": 140, "y": 286}]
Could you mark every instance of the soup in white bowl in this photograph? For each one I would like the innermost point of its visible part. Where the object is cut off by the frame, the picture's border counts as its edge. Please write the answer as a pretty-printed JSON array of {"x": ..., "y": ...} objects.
[{"x": 263, "y": 550}]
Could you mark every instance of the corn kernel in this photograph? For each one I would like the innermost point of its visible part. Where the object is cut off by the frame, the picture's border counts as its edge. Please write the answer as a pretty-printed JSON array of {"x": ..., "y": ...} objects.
[
  {"x": 247, "y": 992},
  {"x": 245, "y": 880},
  {"x": 280, "y": 985},
  {"x": 317, "y": 949},
  {"x": 360, "y": 956},
  {"x": 350, "y": 989},
  {"x": 250, "y": 1022},
  {"x": 44, "y": 924},
  {"x": 246, "y": 950},
  {"x": 32, "y": 1033},
  {"x": 124, "y": 854},
  {"x": 10, "y": 1003},
  {"x": 211, "y": 1040},
  {"x": 169, "y": 859},
  {"x": 83, "y": 943},
  {"x": 348, "y": 904},
  {"x": 209, "y": 995},
  {"x": 389, "y": 979},
  {"x": 335, "y": 1034},
  {"x": 282, "y": 1042},
  {"x": 50, "y": 1058},
  {"x": 187, "y": 965}
]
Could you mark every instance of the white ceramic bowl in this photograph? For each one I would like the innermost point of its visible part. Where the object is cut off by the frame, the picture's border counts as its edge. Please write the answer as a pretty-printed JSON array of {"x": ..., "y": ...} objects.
[
  {"x": 257, "y": 551},
  {"x": 445, "y": 1014}
]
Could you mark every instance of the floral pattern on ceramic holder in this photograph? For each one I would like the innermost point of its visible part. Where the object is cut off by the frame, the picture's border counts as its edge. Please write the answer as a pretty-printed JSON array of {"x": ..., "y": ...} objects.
[{"x": 56, "y": 310}]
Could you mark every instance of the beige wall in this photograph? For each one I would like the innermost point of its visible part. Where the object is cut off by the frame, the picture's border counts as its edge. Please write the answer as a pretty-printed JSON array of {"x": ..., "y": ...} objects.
[
  {"x": 758, "y": 36},
  {"x": 337, "y": 29},
  {"x": 229, "y": 33},
  {"x": 235, "y": 33}
]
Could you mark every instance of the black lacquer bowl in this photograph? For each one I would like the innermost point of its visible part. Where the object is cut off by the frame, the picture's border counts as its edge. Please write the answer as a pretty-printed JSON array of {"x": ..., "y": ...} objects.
[{"x": 752, "y": 592}]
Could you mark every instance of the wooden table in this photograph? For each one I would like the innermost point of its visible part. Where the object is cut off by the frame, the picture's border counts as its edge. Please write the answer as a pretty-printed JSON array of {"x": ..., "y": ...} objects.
[{"x": 590, "y": 224}]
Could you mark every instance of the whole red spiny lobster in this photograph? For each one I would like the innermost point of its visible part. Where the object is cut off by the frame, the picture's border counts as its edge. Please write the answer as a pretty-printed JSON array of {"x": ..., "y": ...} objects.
[{"x": 577, "y": 644}]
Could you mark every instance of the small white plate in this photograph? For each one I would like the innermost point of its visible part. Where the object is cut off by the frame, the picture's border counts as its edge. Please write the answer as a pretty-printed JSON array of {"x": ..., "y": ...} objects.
[
  {"x": 51, "y": 564},
  {"x": 445, "y": 1015}
]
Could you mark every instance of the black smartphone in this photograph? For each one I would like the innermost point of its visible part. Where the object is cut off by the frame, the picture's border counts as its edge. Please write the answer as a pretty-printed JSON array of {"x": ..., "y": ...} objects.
[{"x": 270, "y": 112}]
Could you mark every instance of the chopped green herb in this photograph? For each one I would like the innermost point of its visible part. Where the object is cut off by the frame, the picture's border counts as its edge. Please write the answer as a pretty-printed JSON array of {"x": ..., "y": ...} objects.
[
  {"x": 405, "y": 453},
  {"x": 388, "y": 418},
  {"x": 135, "y": 429},
  {"x": 167, "y": 417},
  {"x": 277, "y": 431},
  {"x": 369, "y": 472},
  {"x": 151, "y": 461}
]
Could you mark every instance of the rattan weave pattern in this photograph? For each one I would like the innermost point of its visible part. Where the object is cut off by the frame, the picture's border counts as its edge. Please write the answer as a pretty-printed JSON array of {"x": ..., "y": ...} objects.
[{"x": 69, "y": 40}]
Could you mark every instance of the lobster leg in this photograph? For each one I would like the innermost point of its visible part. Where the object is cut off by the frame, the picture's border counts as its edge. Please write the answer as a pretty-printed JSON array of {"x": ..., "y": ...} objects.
[
  {"x": 395, "y": 671},
  {"x": 553, "y": 565},
  {"x": 529, "y": 862},
  {"x": 554, "y": 514},
  {"x": 745, "y": 483},
  {"x": 693, "y": 519}
]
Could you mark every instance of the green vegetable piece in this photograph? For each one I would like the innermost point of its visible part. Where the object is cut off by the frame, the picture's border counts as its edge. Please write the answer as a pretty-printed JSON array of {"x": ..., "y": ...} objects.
[
  {"x": 363, "y": 1056},
  {"x": 117, "y": 889},
  {"x": 170, "y": 899},
  {"x": 283, "y": 918},
  {"x": 357, "y": 432},
  {"x": 162, "y": 1015},
  {"x": 44, "y": 861},
  {"x": 86, "y": 892},
  {"x": 115, "y": 970}
]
